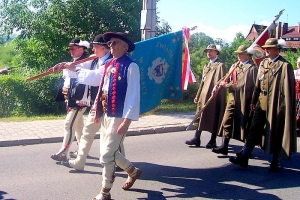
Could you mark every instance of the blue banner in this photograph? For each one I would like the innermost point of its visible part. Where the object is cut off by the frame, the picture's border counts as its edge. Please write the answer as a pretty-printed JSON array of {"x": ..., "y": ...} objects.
[{"x": 160, "y": 62}]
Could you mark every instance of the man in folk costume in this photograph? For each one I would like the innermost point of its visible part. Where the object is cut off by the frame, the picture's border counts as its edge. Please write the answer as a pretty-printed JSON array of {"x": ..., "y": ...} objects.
[
  {"x": 92, "y": 78},
  {"x": 297, "y": 90},
  {"x": 119, "y": 99},
  {"x": 237, "y": 111},
  {"x": 274, "y": 121},
  {"x": 211, "y": 117},
  {"x": 75, "y": 109}
]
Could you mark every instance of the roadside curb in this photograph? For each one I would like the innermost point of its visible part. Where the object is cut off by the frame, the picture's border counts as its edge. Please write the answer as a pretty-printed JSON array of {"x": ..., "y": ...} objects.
[{"x": 147, "y": 131}]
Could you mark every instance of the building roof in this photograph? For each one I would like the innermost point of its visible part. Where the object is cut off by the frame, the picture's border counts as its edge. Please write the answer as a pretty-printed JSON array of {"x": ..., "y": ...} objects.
[
  {"x": 292, "y": 35},
  {"x": 291, "y": 32}
]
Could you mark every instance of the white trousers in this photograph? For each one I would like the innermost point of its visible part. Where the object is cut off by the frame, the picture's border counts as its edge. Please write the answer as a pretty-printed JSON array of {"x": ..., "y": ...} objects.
[
  {"x": 73, "y": 126},
  {"x": 110, "y": 143}
]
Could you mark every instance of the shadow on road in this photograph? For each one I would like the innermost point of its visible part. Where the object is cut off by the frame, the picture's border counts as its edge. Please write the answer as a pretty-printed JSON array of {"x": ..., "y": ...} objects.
[
  {"x": 226, "y": 182},
  {"x": 2, "y": 193}
]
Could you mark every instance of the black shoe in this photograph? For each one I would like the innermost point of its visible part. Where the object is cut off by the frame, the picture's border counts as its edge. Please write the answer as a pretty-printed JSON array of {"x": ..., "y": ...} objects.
[
  {"x": 240, "y": 153},
  {"x": 274, "y": 166},
  {"x": 242, "y": 161},
  {"x": 211, "y": 144},
  {"x": 220, "y": 150},
  {"x": 194, "y": 141}
]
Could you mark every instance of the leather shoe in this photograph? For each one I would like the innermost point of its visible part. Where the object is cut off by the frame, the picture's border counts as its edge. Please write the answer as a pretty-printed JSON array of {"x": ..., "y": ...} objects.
[
  {"x": 274, "y": 166},
  {"x": 193, "y": 141},
  {"x": 59, "y": 156},
  {"x": 102, "y": 196},
  {"x": 242, "y": 161},
  {"x": 211, "y": 144},
  {"x": 240, "y": 153},
  {"x": 73, "y": 154},
  {"x": 131, "y": 179},
  {"x": 220, "y": 150}
]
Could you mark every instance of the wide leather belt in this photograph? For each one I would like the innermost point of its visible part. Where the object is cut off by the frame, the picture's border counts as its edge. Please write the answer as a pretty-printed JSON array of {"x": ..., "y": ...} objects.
[{"x": 104, "y": 102}]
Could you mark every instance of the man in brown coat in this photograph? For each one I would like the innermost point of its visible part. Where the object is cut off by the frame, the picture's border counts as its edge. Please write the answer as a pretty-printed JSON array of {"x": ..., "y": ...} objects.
[
  {"x": 237, "y": 111},
  {"x": 274, "y": 123},
  {"x": 211, "y": 118}
]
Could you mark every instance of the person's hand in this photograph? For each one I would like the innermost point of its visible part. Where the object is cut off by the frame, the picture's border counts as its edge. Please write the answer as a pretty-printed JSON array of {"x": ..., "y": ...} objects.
[
  {"x": 57, "y": 68},
  {"x": 70, "y": 66},
  {"x": 252, "y": 107},
  {"x": 196, "y": 100},
  {"x": 223, "y": 84},
  {"x": 124, "y": 126},
  {"x": 215, "y": 89}
]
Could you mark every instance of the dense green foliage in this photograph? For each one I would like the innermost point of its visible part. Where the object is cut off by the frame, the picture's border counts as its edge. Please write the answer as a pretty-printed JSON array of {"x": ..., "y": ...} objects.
[
  {"x": 19, "y": 98},
  {"x": 45, "y": 28}
]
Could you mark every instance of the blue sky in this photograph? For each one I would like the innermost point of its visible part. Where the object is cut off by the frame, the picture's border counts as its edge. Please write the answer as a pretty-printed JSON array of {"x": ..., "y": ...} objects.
[{"x": 224, "y": 18}]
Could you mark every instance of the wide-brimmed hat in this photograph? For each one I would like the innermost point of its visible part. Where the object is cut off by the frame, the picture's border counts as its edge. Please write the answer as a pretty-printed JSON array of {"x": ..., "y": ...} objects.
[
  {"x": 99, "y": 40},
  {"x": 242, "y": 49},
  {"x": 80, "y": 43},
  {"x": 122, "y": 36},
  {"x": 271, "y": 42},
  {"x": 213, "y": 47}
]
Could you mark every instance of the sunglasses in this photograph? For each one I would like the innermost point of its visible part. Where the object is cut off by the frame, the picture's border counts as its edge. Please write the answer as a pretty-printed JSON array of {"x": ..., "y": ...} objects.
[{"x": 113, "y": 43}]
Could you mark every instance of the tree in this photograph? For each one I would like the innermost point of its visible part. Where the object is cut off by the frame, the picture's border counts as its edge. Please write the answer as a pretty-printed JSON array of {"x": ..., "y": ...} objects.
[{"x": 46, "y": 27}]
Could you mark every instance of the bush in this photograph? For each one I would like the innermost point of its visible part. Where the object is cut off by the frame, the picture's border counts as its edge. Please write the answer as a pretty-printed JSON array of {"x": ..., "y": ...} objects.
[{"x": 20, "y": 98}]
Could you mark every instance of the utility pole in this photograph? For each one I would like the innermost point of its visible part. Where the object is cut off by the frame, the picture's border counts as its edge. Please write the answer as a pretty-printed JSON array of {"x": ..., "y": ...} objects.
[{"x": 148, "y": 19}]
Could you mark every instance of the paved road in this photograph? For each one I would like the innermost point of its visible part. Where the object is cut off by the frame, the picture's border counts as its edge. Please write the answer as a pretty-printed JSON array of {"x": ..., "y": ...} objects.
[{"x": 171, "y": 170}]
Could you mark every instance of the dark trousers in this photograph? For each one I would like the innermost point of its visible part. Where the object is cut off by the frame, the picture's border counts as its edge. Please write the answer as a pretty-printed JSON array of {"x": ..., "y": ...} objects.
[{"x": 256, "y": 128}]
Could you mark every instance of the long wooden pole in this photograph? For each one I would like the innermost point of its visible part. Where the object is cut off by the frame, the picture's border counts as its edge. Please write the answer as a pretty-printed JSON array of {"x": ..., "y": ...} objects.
[{"x": 51, "y": 72}]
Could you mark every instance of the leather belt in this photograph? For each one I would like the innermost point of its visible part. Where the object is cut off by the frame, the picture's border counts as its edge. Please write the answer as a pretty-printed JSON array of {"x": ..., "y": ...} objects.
[{"x": 104, "y": 102}]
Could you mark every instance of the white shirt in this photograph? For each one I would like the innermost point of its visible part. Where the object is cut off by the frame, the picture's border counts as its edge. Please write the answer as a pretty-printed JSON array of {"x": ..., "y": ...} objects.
[{"x": 91, "y": 77}]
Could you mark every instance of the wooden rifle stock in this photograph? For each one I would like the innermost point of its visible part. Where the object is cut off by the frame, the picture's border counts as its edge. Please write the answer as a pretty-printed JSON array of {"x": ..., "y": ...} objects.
[
  {"x": 197, "y": 115},
  {"x": 51, "y": 72}
]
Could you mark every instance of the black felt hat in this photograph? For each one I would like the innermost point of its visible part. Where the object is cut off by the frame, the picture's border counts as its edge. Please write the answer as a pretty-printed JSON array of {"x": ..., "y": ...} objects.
[
  {"x": 122, "y": 36},
  {"x": 99, "y": 40}
]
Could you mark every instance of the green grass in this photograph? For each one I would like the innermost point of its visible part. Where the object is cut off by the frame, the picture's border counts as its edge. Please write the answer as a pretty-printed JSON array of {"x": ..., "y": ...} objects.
[
  {"x": 32, "y": 118},
  {"x": 167, "y": 106},
  {"x": 173, "y": 106}
]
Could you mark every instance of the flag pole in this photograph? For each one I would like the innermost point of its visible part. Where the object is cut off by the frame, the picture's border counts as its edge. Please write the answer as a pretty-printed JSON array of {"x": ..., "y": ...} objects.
[{"x": 267, "y": 29}]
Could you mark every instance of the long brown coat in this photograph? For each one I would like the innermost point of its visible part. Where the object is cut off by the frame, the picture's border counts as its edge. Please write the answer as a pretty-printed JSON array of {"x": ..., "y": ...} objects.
[
  {"x": 278, "y": 82},
  {"x": 211, "y": 118},
  {"x": 241, "y": 92}
]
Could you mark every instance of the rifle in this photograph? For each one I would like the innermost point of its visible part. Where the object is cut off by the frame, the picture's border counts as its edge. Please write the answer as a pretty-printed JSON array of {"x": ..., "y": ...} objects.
[
  {"x": 197, "y": 115},
  {"x": 51, "y": 72}
]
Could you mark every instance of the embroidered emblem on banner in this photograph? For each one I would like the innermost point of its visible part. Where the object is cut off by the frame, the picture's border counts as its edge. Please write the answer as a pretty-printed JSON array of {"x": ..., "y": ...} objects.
[{"x": 158, "y": 70}]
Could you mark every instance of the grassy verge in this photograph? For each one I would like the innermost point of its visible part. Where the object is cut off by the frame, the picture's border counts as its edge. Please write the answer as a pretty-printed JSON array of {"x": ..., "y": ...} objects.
[
  {"x": 166, "y": 106},
  {"x": 31, "y": 118},
  {"x": 173, "y": 106}
]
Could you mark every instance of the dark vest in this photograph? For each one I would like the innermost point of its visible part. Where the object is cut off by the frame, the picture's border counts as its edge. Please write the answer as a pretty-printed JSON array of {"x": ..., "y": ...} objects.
[
  {"x": 60, "y": 95},
  {"x": 117, "y": 92}
]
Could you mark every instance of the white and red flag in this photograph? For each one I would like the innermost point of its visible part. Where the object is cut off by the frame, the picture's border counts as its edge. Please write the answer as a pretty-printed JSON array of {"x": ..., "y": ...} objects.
[
  {"x": 187, "y": 74},
  {"x": 255, "y": 48}
]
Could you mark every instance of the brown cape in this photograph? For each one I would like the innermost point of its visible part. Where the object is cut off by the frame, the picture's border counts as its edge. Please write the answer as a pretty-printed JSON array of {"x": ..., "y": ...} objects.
[
  {"x": 280, "y": 112},
  {"x": 211, "y": 118},
  {"x": 242, "y": 94}
]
